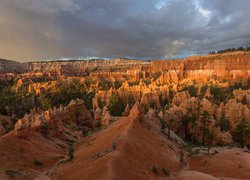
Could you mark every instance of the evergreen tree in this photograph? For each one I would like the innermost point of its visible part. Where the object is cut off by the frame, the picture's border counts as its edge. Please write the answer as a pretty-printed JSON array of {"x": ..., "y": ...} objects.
[
  {"x": 192, "y": 90},
  {"x": 224, "y": 122},
  {"x": 205, "y": 116},
  {"x": 116, "y": 107},
  {"x": 169, "y": 123},
  {"x": 242, "y": 132},
  {"x": 131, "y": 101},
  {"x": 244, "y": 100}
]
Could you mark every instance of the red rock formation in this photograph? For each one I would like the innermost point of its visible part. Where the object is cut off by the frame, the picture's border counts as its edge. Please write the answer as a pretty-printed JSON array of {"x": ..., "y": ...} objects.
[
  {"x": 136, "y": 112},
  {"x": 52, "y": 121},
  {"x": 126, "y": 111},
  {"x": 225, "y": 66},
  {"x": 180, "y": 97}
]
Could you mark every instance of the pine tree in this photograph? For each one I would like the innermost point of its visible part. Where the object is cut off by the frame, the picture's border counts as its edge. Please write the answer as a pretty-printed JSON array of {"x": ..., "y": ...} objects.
[
  {"x": 169, "y": 123},
  {"x": 224, "y": 122},
  {"x": 244, "y": 100},
  {"x": 242, "y": 132},
  {"x": 205, "y": 116},
  {"x": 116, "y": 107}
]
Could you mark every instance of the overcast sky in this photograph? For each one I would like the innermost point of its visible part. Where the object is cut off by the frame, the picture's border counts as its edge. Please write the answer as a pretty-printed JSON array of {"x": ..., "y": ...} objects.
[{"x": 41, "y": 29}]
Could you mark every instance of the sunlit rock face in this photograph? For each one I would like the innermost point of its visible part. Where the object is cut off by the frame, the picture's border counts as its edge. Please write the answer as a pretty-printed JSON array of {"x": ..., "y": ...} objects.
[
  {"x": 223, "y": 66},
  {"x": 54, "y": 118},
  {"x": 180, "y": 97}
]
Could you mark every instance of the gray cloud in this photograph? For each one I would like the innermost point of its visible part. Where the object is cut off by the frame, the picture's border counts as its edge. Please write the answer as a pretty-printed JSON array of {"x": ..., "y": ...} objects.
[{"x": 38, "y": 29}]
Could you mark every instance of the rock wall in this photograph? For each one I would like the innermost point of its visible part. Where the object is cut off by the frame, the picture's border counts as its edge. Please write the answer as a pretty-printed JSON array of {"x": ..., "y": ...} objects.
[
  {"x": 52, "y": 120},
  {"x": 8, "y": 66},
  {"x": 83, "y": 67},
  {"x": 227, "y": 66}
]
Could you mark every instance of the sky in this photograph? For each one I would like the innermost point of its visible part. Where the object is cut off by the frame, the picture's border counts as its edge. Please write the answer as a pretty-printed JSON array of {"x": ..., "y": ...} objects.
[{"x": 53, "y": 29}]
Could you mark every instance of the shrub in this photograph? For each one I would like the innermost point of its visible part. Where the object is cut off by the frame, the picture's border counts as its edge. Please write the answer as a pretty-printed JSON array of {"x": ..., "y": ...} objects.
[
  {"x": 99, "y": 124},
  {"x": 155, "y": 170},
  {"x": 165, "y": 172},
  {"x": 37, "y": 163},
  {"x": 71, "y": 152},
  {"x": 131, "y": 100},
  {"x": 11, "y": 173},
  {"x": 182, "y": 157},
  {"x": 45, "y": 129},
  {"x": 101, "y": 103},
  {"x": 193, "y": 91},
  {"x": 244, "y": 100},
  {"x": 88, "y": 100},
  {"x": 116, "y": 106},
  {"x": 117, "y": 84},
  {"x": 163, "y": 102}
]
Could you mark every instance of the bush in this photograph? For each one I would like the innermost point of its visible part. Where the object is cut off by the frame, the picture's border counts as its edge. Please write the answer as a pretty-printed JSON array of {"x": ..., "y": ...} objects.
[
  {"x": 163, "y": 102},
  {"x": 116, "y": 106},
  {"x": 155, "y": 170},
  {"x": 45, "y": 129},
  {"x": 244, "y": 100},
  {"x": 88, "y": 100},
  {"x": 131, "y": 100},
  {"x": 101, "y": 103},
  {"x": 71, "y": 152},
  {"x": 165, "y": 172},
  {"x": 220, "y": 94},
  {"x": 37, "y": 163},
  {"x": 11, "y": 173},
  {"x": 193, "y": 91},
  {"x": 117, "y": 84},
  {"x": 105, "y": 85}
]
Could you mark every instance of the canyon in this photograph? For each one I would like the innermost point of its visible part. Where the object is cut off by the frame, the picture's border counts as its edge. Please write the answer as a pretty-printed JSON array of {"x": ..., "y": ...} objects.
[{"x": 126, "y": 119}]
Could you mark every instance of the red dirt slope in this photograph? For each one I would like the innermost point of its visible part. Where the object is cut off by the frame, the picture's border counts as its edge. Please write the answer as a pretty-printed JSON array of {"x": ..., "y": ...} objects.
[
  {"x": 22, "y": 155},
  {"x": 127, "y": 149}
]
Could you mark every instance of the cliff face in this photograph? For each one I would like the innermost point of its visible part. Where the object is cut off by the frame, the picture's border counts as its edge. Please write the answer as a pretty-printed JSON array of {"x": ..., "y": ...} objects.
[
  {"x": 224, "y": 66},
  {"x": 7, "y": 66},
  {"x": 228, "y": 66},
  {"x": 83, "y": 67},
  {"x": 53, "y": 119}
]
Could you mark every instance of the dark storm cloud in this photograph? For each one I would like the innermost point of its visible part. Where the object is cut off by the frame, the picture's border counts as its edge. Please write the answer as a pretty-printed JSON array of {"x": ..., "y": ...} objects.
[{"x": 35, "y": 29}]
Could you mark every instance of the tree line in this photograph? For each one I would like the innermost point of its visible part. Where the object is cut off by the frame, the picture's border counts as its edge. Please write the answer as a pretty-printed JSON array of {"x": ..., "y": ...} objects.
[{"x": 230, "y": 50}]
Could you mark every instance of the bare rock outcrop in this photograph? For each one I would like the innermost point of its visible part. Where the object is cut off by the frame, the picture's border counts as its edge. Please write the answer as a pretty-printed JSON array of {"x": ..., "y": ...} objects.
[
  {"x": 126, "y": 111},
  {"x": 225, "y": 138},
  {"x": 136, "y": 112},
  {"x": 206, "y": 105},
  {"x": 234, "y": 111},
  {"x": 78, "y": 113},
  {"x": 150, "y": 100},
  {"x": 180, "y": 97},
  {"x": 51, "y": 122}
]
